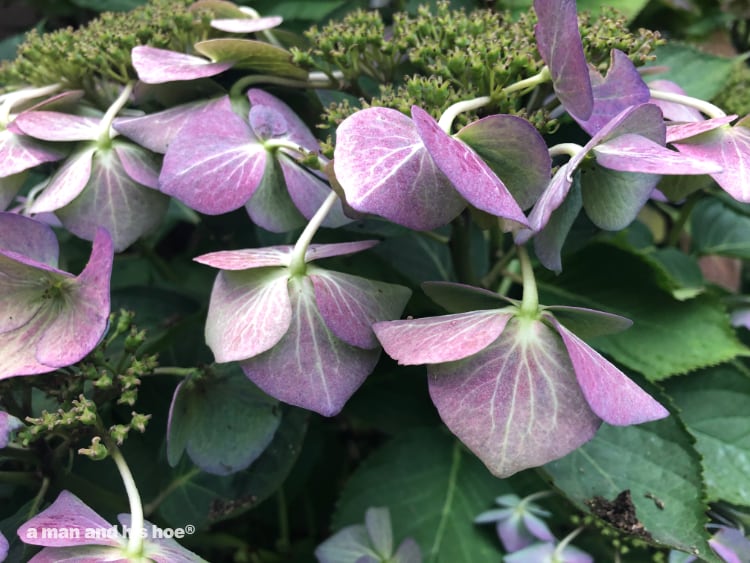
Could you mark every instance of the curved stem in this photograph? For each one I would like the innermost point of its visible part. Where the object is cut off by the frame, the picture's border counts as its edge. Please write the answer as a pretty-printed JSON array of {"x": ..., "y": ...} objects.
[
  {"x": 174, "y": 370},
  {"x": 530, "y": 301},
  {"x": 540, "y": 78},
  {"x": 11, "y": 99},
  {"x": 135, "y": 538},
  {"x": 297, "y": 260},
  {"x": 105, "y": 125},
  {"x": 557, "y": 555},
  {"x": 565, "y": 149},
  {"x": 314, "y": 80},
  {"x": 701, "y": 105},
  {"x": 446, "y": 120}
]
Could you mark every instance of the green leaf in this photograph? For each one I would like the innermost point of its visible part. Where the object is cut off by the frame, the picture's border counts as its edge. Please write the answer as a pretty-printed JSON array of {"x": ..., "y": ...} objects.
[
  {"x": 658, "y": 465},
  {"x": 700, "y": 74},
  {"x": 418, "y": 257},
  {"x": 713, "y": 405},
  {"x": 224, "y": 422},
  {"x": 434, "y": 489},
  {"x": 252, "y": 55},
  {"x": 668, "y": 336},
  {"x": 198, "y": 498},
  {"x": 684, "y": 274},
  {"x": 629, "y": 8},
  {"x": 717, "y": 228},
  {"x": 108, "y": 5}
]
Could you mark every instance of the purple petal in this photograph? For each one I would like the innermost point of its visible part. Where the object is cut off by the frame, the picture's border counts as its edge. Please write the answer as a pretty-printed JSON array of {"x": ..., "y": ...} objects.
[
  {"x": 621, "y": 88},
  {"x": 549, "y": 241},
  {"x": 608, "y": 391},
  {"x": 378, "y": 524},
  {"x": 729, "y": 147},
  {"x": 293, "y": 130},
  {"x": 384, "y": 169},
  {"x": 559, "y": 44},
  {"x": 159, "y": 548},
  {"x": 320, "y": 251},
  {"x": 67, "y": 183},
  {"x": 270, "y": 207},
  {"x": 645, "y": 120},
  {"x": 67, "y": 514},
  {"x": 155, "y": 66},
  {"x": 684, "y": 131},
  {"x": 28, "y": 237},
  {"x": 348, "y": 544},
  {"x": 672, "y": 110},
  {"x": 113, "y": 200},
  {"x": 4, "y": 546},
  {"x": 82, "y": 554},
  {"x": 80, "y": 326},
  {"x": 247, "y": 258},
  {"x": 308, "y": 192},
  {"x": 157, "y": 130},
  {"x": 440, "y": 339},
  {"x": 468, "y": 173},
  {"x": 310, "y": 367},
  {"x": 246, "y": 25},
  {"x": 57, "y": 126},
  {"x": 634, "y": 153},
  {"x": 350, "y": 305},
  {"x": 215, "y": 163},
  {"x": 513, "y": 534},
  {"x": 731, "y": 543},
  {"x": 515, "y": 404},
  {"x": 515, "y": 151},
  {"x": 551, "y": 199},
  {"x": 9, "y": 188},
  {"x": 139, "y": 164},
  {"x": 19, "y": 153},
  {"x": 248, "y": 314},
  {"x": 408, "y": 552},
  {"x": 537, "y": 527}
]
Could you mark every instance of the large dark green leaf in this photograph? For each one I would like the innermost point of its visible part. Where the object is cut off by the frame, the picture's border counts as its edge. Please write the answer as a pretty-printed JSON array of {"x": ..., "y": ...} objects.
[
  {"x": 718, "y": 228},
  {"x": 714, "y": 405},
  {"x": 657, "y": 464},
  {"x": 700, "y": 74},
  {"x": 434, "y": 489},
  {"x": 668, "y": 336}
]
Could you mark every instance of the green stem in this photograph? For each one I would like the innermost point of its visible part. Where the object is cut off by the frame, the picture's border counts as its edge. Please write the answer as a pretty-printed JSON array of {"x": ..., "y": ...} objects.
[
  {"x": 460, "y": 249},
  {"x": 314, "y": 80},
  {"x": 22, "y": 478},
  {"x": 682, "y": 218},
  {"x": 174, "y": 370},
  {"x": 297, "y": 260},
  {"x": 105, "y": 125},
  {"x": 135, "y": 538},
  {"x": 284, "y": 543},
  {"x": 12, "y": 99},
  {"x": 701, "y": 105},
  {"x": 557, "y": 555},
  {"x": 540, "y": 78},
  {"x": 530, "y": 301}
]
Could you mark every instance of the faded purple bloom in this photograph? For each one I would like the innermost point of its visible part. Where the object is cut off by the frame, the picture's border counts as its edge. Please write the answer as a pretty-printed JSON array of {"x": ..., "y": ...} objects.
[
  {"x": 411, "y": 172},
  {"x": 519, "y": 390},
  {"x": 302, "y": 338},
  {"x": 731, "y": 544},
  {"x": 71, "y": 531},
  {"x": 8, "y": 424},
  {"x": 48, "y": 318},
  {"x": 220, "y": 161},
  {"x": 728, "y": 146},
  {"x": 368, "y": 543},
  {"x": 549, "y": 553},
  {"x": 518, "y": 523},
  {"x": 105, "y": 182},
  {"x": 4, "y": 547}
]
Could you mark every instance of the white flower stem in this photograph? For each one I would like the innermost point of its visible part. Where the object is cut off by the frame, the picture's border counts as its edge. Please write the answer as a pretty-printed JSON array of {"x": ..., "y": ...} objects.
[
  {"x": 702, "y": 106},
  {"x": 105, "y": 125},
  {"x": 562, "y": 149},
  {"x": 297, "y": 260},
  {"x": 557, "y": 555},
  {"x": 530, "y": 300},
  {"x": 135, "y": 539},
  {"x": 449, "y": 115},
  {"x": 12, "y": 99}
]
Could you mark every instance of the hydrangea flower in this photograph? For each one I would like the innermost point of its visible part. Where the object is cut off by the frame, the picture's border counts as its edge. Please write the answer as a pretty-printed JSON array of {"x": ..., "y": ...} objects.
[
  {"x": 301, "y": 333},
  {"x": 48, "y": 318},
  {"x": 368, "y": 543},
  {"x": 85, "y": 537},
  {"x": 518, "y": 523},
  {"x": 519, "y": 387},
  {"x": 220, "y": 161}
]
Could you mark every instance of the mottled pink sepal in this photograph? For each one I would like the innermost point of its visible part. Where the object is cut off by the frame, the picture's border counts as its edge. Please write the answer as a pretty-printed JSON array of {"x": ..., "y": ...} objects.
[{"x": 155, "y": 66}]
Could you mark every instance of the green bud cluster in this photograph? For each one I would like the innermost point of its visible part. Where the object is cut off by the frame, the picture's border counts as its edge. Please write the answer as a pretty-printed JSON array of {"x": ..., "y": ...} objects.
[
  {"x": 734, "y": 97},
  {"x": 99, "y": 52},
  {"x": 451, "y": 55}
]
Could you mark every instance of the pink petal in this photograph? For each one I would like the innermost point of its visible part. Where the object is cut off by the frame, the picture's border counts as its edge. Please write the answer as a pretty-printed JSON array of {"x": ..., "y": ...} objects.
[
  {"x": 320, "y": 251},
  {"x": 67, "y": 514},
  {"x": 468, "y": 173},
  {"x": 515, "y": 404},
  {"x": 57, "y": 126},
  {"x": 156, "y": 66},
  {"x": 308, "y": 192},
  {"x": 350, "y": 305},
  {"x": 686, "y": 130},
  {"x": 28, "y": 237},
  {"x": 81, "y": 554},
  {"x": 310, "y": 367},
  {"x": 19, "y": 153},
  {"x": 384, "y": 169},
  {"x": 215, "y": 163},
  {"x": 67, "y": 183},
  {"x": 162, "y": 549},
  {"x": 140, "y": 165},
  {"x": 248, "y": 314},
  {"x": 551, "y": 199},
  {"x": 247, "y": 258},
  {"x": 609, "y": 392},
  {"x": 440, "y": 339},
  {"x": 294, "y": 129}
]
